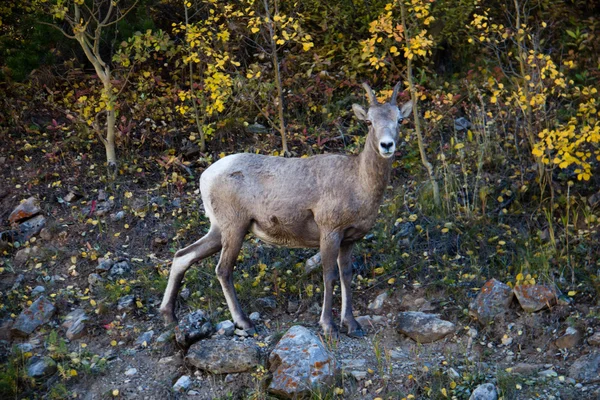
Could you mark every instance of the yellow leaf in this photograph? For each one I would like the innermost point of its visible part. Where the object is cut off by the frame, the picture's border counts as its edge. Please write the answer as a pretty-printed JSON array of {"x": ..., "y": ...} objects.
[
  {"x": 115, "y": 392},
  {"x": 379, "y": 271},
  {"x": 572, "y": 293}
]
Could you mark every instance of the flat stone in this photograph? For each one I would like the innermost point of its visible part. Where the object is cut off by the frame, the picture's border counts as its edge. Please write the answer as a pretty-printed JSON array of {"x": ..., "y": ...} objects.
[
  {"x": 26, "y": 209},
  {"x": 570, "y": 339},
  {"x": 37, "y": 290},
  {"x": 37, "y": 314},
  {"x": 255, "y": 316},
  {"x": 121, "y": 268},
  {"x": 166, "y": 336},
  {"x": 535, "y": 297},
  {"x": 41, "y": 367},
  {"x": 26, "y": 254},
  {"x": 131, "y": 372},
  {"x": 548, "y": 373},
  {"x": 300, "y": 363},
  {"x": 225, "y": 328},
  {"x": 312, "y": 263},
  {"x": 423, "y": 328},
  {"x": 126, "y": 302},
  {"x": 487, "y": 391},
  {"x": 377, "y": 304},
  {"x": 104, "y": 264},
  {"x": 266, "y": 303},
  {"x": 193, "y": 327},
  {"x": 144, "y": 339},
  {"x": 182, "y": 384},
  {"x": 586, "y": 368},
  {"x": 95, "y": 279},
  {"x": 75, "y": 324},
  {"x": 526, "y": 369},
  {"x": 224, "y": 356},
  {"x": 493, "y": 299},
  {"x": 31, "y": 227},
  {"x": 594, "y": 340}
]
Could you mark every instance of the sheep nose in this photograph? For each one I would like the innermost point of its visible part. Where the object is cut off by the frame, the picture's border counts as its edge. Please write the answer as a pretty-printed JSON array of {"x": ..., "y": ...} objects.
[{"x": 386, "y": 145}]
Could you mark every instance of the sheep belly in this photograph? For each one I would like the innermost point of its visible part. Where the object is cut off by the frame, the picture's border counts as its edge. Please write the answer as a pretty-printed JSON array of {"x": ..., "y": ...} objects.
[{"x": 296, "y": 234}]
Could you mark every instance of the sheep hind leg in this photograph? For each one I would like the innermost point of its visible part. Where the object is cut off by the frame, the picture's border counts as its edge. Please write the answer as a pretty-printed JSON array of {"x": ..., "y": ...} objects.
[
  {"x": 184, "y": 258},
  {"x": 232, "y": 244}
]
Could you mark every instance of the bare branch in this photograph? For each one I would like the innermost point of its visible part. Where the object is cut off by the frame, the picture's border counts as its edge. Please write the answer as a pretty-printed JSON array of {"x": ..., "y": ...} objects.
[
  {"x": 123, "y": 15},
  {"x": 108, "y": 14},
  {"x": 58, "y": 28}
]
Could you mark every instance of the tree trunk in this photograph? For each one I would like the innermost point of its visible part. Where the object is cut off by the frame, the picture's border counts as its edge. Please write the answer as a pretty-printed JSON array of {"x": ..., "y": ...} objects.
[
  {"x": 109, "y": 144},
  {"x": 434, "y": 184}
]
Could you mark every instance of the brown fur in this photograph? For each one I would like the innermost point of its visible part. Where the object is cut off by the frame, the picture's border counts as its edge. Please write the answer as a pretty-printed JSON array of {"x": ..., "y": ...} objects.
[{"x": 326, "y": 201}]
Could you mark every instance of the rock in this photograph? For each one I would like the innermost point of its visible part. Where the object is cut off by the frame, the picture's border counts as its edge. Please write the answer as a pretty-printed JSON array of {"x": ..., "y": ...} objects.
[
  {"x": 37, "y": 314},
  {"x": 266, "y": 303},
  {"x": 75, "y": 324},
  {"x": 41, "y": 367},
  {"x": 102, "y": 196},
  {"x": 37, "y": 290},
  {"x": 121, "y": 268},
  {"x": 125, "y": 302},
  {"x": 95, "y": 279},
  {"x": 31, "y": 227},
  {"x": 99, "y": 208},
  {"x": 535, "y": 297},
  {"x": 300, "y": 363},
  {"x": 423, "y": 328},
  {"x": 365, "y": 321},
  {"x": 256, "y": 128},
  {"x": 293, "y": 306},
  {"x": 182, "y": 384},
  {"x": 594, "y": 340},
  {"x": 461, "y": 124},
  {"x": 255, "y": 316},
  {"x": 403, "y": 229},
  {"x": 410, "y": 303},
  {"x": 71, "y": 197},
  {"x": 144, "y": 339},
  {"x": 224, "y": 356},
  {"x": 193, "y": 327},
  {"x": 131, "y": 372},
  {"x": 117, "y": 216},
  {"x": 312, "y": 263},
  {"x": 570, "y": 339},
  {"x": 487, "y": 391},
  {"x": 18, "y": 281},
  {"x": 26, "y": 209},
  {"x": 104, "y": 264},
  {"x": 166, "y": 336},
  {"x": 185, "y": 293},
  {"x": 526, "y": 369},
  {"x": 594, "y": 199},
  {"x": 377, "y": 304},
  {"x": 493, "y": 299},
  {"x": 225, "y": 328},
  {"x": 46, "y": 234},
  {"x": 25, "y": 255},
  {"x": 586, "y": 368},
  {"x": 549, "y": 373}
]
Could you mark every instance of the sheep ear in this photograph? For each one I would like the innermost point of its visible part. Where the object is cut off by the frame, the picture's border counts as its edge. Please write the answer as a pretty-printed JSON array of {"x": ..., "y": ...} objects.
[
  {"x": 406, "y": 109},
  {"x": 360, "y": 112}
]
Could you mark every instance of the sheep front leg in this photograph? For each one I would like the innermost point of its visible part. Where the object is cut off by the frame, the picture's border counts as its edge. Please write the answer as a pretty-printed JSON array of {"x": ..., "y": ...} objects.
[
  {"x": 345, "y": 266},
  {"x": 330, "y": 247}
]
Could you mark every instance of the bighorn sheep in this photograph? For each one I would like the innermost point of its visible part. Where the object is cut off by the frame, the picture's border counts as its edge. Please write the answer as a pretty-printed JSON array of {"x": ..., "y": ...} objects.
[{"x": 327, "y": 201}]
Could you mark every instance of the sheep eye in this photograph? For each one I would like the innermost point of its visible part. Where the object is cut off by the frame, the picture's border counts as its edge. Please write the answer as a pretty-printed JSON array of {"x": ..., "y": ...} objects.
[{"x": 368, "y": 122}]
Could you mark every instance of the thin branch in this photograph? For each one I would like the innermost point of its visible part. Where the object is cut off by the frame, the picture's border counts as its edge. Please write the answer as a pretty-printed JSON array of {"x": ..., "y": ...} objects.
[
  {"x": 122, "y": 16},
  {"x": 58, "y": 28}
]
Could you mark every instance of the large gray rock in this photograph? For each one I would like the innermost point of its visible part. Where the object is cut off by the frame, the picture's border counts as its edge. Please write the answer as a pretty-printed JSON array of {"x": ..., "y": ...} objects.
[
  {"x": 26, "y": 209},
  {"x": 37, "y": 314},
  {"x": 125, "y": 302},
  {"x": 535, "y": 297},
  {"x": 75, "y": 324},
  {"x": 377, "y": 304},
  {"x": 423, "y": 328},
  {"x": 493, "y": 299},
  {"x": 144, "y": 339},
  {"x": 586, "y": 368},
  {"x": 300, "y": 363},
  {"x": 487, "y": 391},
  {"x": 193, "y": 327},
  {"x": 41, "y": 367},
  {"x": 224, "y": 356}
]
